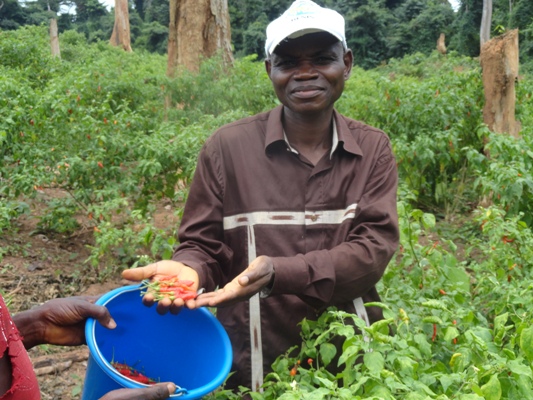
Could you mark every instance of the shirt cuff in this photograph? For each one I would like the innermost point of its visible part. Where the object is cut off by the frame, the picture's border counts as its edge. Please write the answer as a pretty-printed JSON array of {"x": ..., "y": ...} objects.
[{"x": 291, "y": 275}]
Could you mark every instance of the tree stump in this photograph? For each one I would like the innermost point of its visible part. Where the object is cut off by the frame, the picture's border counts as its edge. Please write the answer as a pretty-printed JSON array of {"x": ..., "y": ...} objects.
[
  {"x": 499, "y": 63},
  {"x": 54, "y": 39},
  {"x": 441, "y": 44}
]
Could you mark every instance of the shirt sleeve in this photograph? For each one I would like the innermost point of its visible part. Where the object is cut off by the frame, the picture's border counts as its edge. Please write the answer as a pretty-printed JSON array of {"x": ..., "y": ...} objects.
[{"x": 354, "y": 267}]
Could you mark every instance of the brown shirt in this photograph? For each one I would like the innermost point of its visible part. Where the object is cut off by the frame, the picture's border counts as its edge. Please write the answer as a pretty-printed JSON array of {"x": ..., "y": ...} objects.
[{"x": 331, "y": 229}]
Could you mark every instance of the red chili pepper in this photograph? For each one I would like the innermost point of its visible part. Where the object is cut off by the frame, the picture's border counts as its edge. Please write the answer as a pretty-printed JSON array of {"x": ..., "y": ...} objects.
[
  {"x": 442, "y": 292},
  {"x": 434, "y": 333},
  {"x": 129, "y": 372},
  {"x": 505, "y": 239},
  {"x": 172, "y": 287}
]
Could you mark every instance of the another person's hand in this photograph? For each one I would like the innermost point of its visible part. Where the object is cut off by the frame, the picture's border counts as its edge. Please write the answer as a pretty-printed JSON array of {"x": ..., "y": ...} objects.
[
  {"x": 158, "y": 391},
  {"x": 242, "y": 287},
  {"x": 61, "y": 321},
  {"x": 162, "y": 269}
]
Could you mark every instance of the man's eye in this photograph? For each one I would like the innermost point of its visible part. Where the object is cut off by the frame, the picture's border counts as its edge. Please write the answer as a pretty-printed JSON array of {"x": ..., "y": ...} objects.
[
  {"x": 286, "y": 63},
  {"x": 324, "y": 60}
]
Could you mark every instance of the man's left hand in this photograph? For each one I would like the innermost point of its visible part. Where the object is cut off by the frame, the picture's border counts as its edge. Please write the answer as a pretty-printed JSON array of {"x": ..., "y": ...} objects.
[{"x": 245, "y": 285}]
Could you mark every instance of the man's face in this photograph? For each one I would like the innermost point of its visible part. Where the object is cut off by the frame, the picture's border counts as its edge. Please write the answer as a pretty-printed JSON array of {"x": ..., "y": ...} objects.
[{"x": 308, "y": 72}]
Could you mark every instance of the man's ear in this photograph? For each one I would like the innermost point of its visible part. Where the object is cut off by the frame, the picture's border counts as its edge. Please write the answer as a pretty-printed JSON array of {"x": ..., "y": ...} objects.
[
  {"x": 348, "y": 63},
  {"x": 268, "y": 66}
]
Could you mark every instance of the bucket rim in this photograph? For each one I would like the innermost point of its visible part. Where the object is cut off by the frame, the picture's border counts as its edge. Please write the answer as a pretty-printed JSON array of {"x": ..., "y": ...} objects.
[{"x": 110, "y": 371}]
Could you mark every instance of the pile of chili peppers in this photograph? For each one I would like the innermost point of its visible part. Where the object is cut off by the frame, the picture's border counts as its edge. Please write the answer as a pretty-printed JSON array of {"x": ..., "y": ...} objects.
[
  {"x": 170, "y": 287},
  {"x": 132, "y": 373}
]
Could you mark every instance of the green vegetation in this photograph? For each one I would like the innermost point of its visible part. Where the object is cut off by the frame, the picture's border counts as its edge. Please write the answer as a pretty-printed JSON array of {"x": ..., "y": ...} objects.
[{"x": 458, "y": 294}]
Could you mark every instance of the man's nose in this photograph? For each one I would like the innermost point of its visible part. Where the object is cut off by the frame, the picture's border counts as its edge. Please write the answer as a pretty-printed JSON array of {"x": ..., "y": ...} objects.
[{"x": 306, "y": 70}]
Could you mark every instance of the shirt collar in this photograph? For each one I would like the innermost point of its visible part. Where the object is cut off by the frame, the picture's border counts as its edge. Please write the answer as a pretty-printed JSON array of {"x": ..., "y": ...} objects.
[
  {"x": 342, "y": 136},
  {"x": 335, "y": 141}
]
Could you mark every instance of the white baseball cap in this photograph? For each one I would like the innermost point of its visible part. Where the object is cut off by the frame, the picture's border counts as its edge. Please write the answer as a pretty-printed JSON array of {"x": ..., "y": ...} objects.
[{"x": 301, "y": 18}]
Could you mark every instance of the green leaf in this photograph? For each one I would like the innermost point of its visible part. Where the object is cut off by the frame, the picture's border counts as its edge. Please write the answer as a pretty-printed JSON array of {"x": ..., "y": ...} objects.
[
  {"x": 459, "y": 277},
  {"x": 451, "y": 333},
  {"x": 448, "y": 380},
  {"x": 428, "y": 220},
  {"x": 375, "y": 362},
  {"x": 326, "y": 383},
  {"x": 492, "y": 390},
  {"x": 500, "y": 320},
  {"x": 518, "y": 368},
  {"x": 469, "y": 396},
  {"x": 526, "y": 342},
  {"x": 415, "y": 396},
  {"x": 327, "y": 352},
  {"x": 423, "y": 345}
]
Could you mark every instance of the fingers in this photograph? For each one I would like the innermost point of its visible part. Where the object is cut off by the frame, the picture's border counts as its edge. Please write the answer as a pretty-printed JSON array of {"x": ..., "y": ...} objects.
[
  {"x": 85, "y": 308},
  {"x": 159, "y": 271},
  {"x": 141, "y": 273},
  {"x": 103, "y": 316},
  {"x": 163, "y": 305},
  {"x": 260, "y": 270},
  {"x": 244, "y": 286},
  {"x": 158, "y": 391},
  {"x": 223, "y": 297}
]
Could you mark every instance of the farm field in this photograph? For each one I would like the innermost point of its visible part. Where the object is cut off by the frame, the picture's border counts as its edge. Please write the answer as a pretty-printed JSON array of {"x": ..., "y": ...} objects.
[{"x": 97, "y": 150}]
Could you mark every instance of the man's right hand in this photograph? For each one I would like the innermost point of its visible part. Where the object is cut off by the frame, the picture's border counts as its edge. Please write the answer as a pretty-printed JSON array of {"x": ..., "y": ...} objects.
[
  {"x": 162, "y": 269},
  {"x": 159, "y": 391}
]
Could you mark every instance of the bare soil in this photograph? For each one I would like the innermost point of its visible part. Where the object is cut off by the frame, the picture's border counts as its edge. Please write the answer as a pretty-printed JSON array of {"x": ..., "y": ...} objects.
[{"x": 37, "y": 267}]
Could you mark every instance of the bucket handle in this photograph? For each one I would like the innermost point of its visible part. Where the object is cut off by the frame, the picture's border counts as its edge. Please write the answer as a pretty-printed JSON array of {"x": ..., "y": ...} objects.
[{"x": 180, "y": 391}]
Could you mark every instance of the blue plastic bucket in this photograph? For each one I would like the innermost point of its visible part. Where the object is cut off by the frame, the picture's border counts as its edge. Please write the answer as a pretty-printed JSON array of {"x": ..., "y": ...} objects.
[{"x": 191, "y": 349}]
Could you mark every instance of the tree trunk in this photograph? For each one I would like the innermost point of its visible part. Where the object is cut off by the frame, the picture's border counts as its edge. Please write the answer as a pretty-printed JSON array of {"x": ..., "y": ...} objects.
[
  {"x": 198, "y": 29},
  {"x": 172, "y": 49},
  {"x": 54, "y": 39},
  {"x": 499, "y": 62},
  {"x": 486, "y": 21},
  {"x": 441, "y": 44},
  {"x": 121, "y": 29}
]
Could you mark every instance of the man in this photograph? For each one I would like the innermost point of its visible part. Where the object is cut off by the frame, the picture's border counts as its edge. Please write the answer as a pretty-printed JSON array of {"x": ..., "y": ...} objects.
[
  {"x": 292, "y": 210},
  {"x": 60, "y": 322}
]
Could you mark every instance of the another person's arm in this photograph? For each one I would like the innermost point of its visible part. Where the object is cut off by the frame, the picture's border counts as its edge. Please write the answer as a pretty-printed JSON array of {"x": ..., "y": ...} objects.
[{"x": 62, "y": 322}]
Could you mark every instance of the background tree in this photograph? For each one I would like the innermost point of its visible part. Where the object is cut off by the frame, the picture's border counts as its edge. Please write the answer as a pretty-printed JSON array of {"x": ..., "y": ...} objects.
[
  {"x": 418, "y": 26},
  {"x": 367, "y": 27},
  {"x": 249, "y": 19},
  {"x": 121, "y": 29},
  {"x": 486, "y": 21},
  {"x": 153, "y": 32},
  {"x": 466, "y": 28},
  {"x": 198, "y": 29},
  {"x": 92, "y": 19},
  {"x": 54, "y": 38},
  {"x": 12, "y": 15},
  {"x": 522, "y": 18}
]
